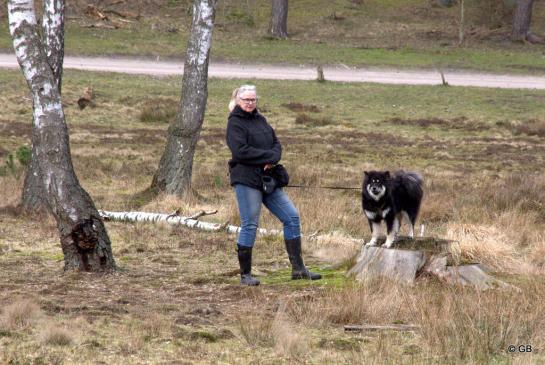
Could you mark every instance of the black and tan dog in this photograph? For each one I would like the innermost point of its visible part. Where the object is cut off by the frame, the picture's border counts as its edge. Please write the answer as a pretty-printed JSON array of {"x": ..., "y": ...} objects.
[{"x": 389, "y": 198}]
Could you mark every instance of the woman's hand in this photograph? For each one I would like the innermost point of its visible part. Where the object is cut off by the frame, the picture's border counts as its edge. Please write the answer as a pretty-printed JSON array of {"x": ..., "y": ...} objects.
[{"x": 268, "y": 166}]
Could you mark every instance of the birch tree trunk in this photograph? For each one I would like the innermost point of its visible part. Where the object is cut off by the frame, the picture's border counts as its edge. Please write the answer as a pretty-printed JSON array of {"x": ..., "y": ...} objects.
[
  {"x": 176, "y": 166},
  {"x": 278, "y": 27},
  {"x": 85, "y": 243},
  {"x": 522, "y": 18},
  {"x": 34, "y": 198},
  {"x": 53, "y": 40}
]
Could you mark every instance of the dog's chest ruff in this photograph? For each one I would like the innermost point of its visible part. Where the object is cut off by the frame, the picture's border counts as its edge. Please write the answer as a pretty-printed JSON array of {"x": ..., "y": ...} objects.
[{"x": 379, "y": 214}]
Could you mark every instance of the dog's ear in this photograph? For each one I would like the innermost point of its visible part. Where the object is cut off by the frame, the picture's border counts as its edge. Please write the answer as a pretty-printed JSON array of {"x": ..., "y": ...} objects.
[
  {"x": 366, "y": 174},
  {"x": 387, "y": 174}
]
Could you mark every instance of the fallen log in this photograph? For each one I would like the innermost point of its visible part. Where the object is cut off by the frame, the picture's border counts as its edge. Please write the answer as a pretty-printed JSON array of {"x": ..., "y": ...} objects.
[{"x": 177, "y": 220}]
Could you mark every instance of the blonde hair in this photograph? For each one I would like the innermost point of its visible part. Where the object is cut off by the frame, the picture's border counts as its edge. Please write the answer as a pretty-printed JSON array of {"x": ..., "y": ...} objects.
[
  {"x": 233, "y": 101},
  {"x": 237, "y": 92}
]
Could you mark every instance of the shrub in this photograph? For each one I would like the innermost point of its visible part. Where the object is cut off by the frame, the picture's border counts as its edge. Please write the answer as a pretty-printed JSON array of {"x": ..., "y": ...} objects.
[
  {"x": 23, "y": 154},
  {"x": 158, "y": 111},
  {"x": 21, "y": 314},
  {"x": 56, "y": 336},
  {"x": 307, "y": 120}
]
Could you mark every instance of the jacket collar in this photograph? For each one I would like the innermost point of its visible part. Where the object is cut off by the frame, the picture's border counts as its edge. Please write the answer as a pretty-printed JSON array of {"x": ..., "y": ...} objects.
[{"x": 238, "y": 112}]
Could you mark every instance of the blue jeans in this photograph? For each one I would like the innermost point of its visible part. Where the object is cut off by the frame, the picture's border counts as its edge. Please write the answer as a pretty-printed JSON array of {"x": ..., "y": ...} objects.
[{"x": 249, "y": 206}]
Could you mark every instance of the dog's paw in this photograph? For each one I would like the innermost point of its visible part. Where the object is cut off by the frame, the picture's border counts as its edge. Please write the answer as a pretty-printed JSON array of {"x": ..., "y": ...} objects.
[
  {"x": 388, "y": 243},
  {"x": 371, "y": 243}
]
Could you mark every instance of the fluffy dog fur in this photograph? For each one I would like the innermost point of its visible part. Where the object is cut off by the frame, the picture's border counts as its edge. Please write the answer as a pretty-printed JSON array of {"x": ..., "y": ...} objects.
[{"x": 389, "y": 198}]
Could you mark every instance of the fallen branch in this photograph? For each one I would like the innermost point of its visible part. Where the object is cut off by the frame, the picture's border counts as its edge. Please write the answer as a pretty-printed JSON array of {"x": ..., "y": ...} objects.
[
  {"x": 95, "y": 13},
  {"x": 387, "y": 327},
  {"x": 176, "y": 220},
  {"x": 123, "y": 14},
  {"x": 100, "y": 26},
  {"x": 202, "y": 213}
]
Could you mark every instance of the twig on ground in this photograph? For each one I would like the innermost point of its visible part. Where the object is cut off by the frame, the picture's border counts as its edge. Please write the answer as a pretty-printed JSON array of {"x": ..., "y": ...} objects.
[{"x": 387, "y": 327}]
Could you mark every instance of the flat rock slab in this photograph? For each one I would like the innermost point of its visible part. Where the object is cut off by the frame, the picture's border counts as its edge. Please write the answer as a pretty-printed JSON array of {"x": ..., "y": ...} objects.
[
  {"x": 402, "y": 265},
  {"x": 472, "y": 275}
]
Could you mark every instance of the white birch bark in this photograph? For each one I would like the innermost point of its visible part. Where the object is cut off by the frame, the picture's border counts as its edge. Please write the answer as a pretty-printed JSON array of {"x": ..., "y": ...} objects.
[
  {"x": 53, "y": 36},
  {"x": 176, "y": 165},
  {"x": 85, "y": 243},
  {"x": 33, "y": 198},
  {"x": 179, "y": 220}
]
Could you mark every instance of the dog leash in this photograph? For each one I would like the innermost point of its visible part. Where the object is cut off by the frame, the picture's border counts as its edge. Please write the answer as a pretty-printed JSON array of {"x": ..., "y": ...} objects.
[{"x": 322, "y": 187}]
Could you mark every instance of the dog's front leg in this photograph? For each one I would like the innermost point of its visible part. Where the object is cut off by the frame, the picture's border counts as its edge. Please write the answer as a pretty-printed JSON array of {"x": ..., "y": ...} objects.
[
  {"x": 392, "y": 227},
  {"x": 375, "y": 231}
]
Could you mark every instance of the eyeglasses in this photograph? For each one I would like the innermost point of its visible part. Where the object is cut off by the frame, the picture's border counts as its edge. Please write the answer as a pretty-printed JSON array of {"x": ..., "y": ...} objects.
[{"x": 249, "y": 101}]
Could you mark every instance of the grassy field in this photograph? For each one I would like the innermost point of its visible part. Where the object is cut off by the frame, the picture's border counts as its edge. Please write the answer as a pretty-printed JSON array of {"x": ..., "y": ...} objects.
[
  {"x": 176, "y": 297},
  {"x": 408, "y": 34}
]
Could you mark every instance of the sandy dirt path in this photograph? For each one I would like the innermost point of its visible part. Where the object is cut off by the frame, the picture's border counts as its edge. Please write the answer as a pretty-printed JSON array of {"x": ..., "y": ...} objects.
[{"x": 339, "y": 73}]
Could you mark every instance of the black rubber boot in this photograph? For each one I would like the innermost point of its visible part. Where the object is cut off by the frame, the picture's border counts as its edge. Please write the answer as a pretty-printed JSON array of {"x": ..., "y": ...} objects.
[
  {"x": 298, "y": 269},
  {"x": 245, "y": 261}
]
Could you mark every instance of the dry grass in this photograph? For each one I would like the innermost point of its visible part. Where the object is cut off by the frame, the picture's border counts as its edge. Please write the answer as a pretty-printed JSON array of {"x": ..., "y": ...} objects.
[
  {"x": 334, "y": 247},
  {"x": 488, "y": 245},
  {"x": 457, "y": 324},
  {"x": 54, "y": 335},
  {"x": 534, "y": 127},
  {"x": 158, "y": 110},
  {"x": 10, "y": 190},
  {"x": 177, "y": 294},
  {"x": 20, "y": 315},
  {"x": 523, "y": 192},
  {"x": 256, "y": 331},
  {"x": 287, "y": 340},
  {"x": 476, "y": 326}
]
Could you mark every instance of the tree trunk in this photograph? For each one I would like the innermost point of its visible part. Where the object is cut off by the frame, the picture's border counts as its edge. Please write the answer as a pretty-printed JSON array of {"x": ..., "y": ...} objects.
[
  {"x": 34, "y": 198},
  {"x": 53, "y": 40},
  {"x": 522, "y": 18},
  {"x": 85, "y": 243},
  {"x": 278, "y": 27},
  {"x": 176, "y": 166}
]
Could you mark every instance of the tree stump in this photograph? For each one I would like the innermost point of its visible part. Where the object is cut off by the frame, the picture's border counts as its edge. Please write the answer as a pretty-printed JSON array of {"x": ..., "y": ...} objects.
[{"x": 410, "y": 258}]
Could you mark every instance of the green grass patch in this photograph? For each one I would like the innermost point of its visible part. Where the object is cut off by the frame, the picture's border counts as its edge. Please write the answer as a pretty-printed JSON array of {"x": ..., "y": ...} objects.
[{"x": 330, "y": 278}]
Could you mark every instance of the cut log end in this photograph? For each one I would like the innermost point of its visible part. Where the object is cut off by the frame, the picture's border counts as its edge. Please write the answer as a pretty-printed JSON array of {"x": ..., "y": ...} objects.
[{"x": 428, "y": 244}]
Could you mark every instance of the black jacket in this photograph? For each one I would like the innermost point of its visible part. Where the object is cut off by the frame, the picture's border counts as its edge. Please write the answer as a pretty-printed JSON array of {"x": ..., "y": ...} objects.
[{"x": 253, "y": 144}]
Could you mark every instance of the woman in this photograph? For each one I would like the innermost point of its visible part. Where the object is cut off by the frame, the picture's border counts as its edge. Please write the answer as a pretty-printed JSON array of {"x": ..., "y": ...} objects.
[{"x": 255, "y": 148}]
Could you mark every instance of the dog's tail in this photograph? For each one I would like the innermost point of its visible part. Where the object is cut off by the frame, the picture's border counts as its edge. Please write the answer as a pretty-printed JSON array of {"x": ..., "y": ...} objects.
[
  {"x": 415, "y": 177},
  {"x": 411, "y": 181}
]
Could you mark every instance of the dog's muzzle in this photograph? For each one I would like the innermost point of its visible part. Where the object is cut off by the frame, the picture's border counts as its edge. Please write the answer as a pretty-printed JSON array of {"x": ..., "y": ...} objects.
[{"x": 376, "y": 190}]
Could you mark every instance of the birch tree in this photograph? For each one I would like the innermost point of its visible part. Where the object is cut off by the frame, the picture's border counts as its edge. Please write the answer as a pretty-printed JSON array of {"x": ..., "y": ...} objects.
[
  {"x": 84, "y": 240},
  {"x": 53, "y": 41},
  {"x": 278, "y": 26},
  {"x": 176, "y": 166}
]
